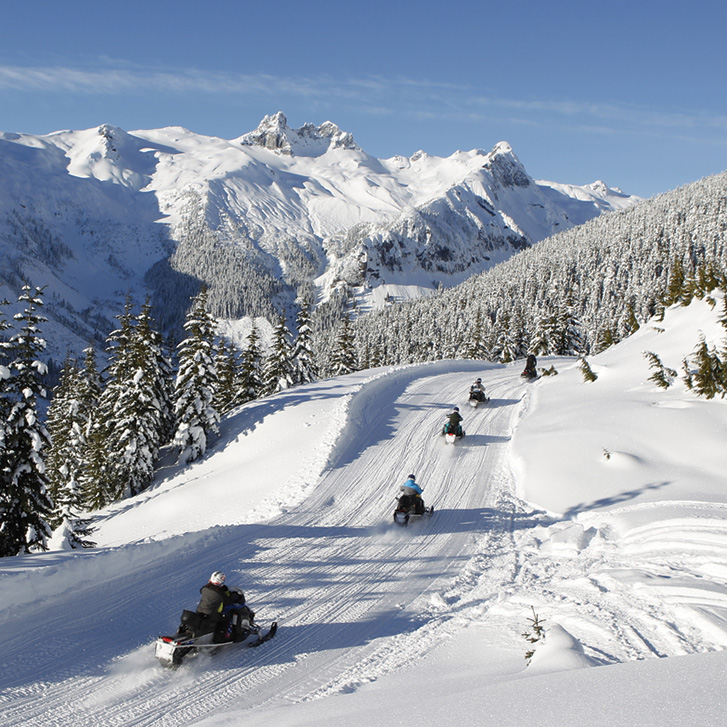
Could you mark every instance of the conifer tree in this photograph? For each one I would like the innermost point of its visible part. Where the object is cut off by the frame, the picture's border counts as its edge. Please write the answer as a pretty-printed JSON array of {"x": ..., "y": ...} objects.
[
  {"x": 476, "y": 343},
  {"x": 304, "y": 366},
  {"x": 543, "y": 339},
  {"x": 707, "y": 379},
  {"x": 569, "y": 337},
  {"x": 251, "y": 383},
  {"x": 106, "y": 427},
  {"x": 196, "y": 383},
  {"x": 64, "y": 464},
  {"x": 4, "y": 376},
  {"x": 605, "y": 337},
  {"x": 587, "y": 372},
  {"x": 675, "y": 285},
  {"x": 156, "y": 363},
  {"x": 136, "y": 402},
  {"x": 228, "y": 376},
  {"x": 96, "y": 475},
  {"x": 278, "y": 368},
  {"x": 25, "y": 505},
  {"x": 344, "y": 360},
  {"x": 662, "y": 375}
]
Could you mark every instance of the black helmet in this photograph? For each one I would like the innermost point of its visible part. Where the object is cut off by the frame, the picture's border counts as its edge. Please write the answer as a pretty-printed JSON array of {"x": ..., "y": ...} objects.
[
  {"x": 456, "y": 408},
  {"x": 479, "y": 381},
  {"x": 411, "y": 477}
]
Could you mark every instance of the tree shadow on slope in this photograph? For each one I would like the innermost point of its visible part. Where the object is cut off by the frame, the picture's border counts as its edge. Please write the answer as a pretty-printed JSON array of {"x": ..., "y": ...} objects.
[
  {"x": 297, "y": 639},
  {"x": 605, "y": 502}
]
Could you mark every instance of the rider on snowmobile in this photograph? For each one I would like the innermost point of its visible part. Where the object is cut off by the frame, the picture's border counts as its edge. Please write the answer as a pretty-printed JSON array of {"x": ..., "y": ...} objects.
[
  {"x": 530, "y": 364},
  {"x": 477, "y": 391},
  {"x": 455, "y": 423},
  {"x": 224, "y": 608},
  {"x": 413, "y": 490}
]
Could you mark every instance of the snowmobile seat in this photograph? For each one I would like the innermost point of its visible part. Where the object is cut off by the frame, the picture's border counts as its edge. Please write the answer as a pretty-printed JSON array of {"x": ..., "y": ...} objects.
[
  {"x": 406, "y": 501},
  {"x": 195, "y": 623}
]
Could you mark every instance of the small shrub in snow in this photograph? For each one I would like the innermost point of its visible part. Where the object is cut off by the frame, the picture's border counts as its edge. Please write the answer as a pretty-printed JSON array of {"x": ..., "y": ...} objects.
[
  {"x": 587, "y": 371},
  {"x": 535, "y": 633}
]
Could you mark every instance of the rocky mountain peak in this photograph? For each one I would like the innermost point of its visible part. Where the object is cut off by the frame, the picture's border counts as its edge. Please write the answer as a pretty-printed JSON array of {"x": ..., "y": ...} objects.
[
  {"x": 274, "y": 133},
  {"x": 506, "y": 169}
]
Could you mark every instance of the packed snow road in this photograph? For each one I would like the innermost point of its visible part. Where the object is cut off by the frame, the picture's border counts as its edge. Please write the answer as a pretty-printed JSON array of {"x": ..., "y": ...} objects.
[{"x": 353, "y": 592}]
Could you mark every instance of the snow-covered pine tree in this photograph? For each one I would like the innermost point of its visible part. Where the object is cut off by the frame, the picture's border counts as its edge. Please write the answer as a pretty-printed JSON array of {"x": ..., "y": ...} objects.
[
  {"x": 196, "y": 383},
  {"x": 278, "y": 366},
  {"x": 507, "y": 344},
  {"x": 135, "y": 403},
  {"x": 135, "y": 409},
  {"x": 5, "y": 399},
  {"x": 96, "y": 482},
  {"x": 64, "y": 465},
  {"x": 228, "y": 376},
  {"x": 251, "y": 383},
  {"x": 605, "y": 337},
  {"x": 343, "y": 359},
  {"x": 675, "y": 284},
  {"x": 570, "y": 341},
  {"x": 475, "y": 346},
  {"x": 4, "y": 375},
  {"x": 542, "y": 341},
  {"x": 304, "y": 365},
  {"x": 103, "y": 439},
  {"x": 707, "y": 380},
  {"x": 24, "y": 501},
  {"x": 156, "y": 363},
  {"x": 662, "y": 375}
]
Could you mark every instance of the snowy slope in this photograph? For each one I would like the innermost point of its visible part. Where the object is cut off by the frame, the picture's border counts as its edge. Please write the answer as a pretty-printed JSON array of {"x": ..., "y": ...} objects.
[
  {"x": 94, "y": 215},
  {"x": 624, "y": 558}
]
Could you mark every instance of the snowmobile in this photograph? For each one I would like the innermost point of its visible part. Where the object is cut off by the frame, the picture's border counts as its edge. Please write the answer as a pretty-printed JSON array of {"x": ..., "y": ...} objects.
[
  {"x": 477, "y": 397},
  {"x": 197, "y": 635},
  {"x": 530, "y": 371},
  {"x": 408, "y": 505},
  {"x": 452, "y": 432}
]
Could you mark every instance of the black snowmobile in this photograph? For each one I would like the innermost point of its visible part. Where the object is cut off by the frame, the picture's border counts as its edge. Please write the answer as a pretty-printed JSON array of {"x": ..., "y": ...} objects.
[
  {"x": 408, "y": 505},
  {"x": 477, "y": 397},
  {"x": 452, "y": 432},
  {"x": 197, "y": 633},
  {"x": 530, "y": 371}
]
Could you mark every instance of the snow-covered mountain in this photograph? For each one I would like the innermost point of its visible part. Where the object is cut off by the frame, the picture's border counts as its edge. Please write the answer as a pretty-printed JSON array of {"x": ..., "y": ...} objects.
[{"x": 275, "y": 213}]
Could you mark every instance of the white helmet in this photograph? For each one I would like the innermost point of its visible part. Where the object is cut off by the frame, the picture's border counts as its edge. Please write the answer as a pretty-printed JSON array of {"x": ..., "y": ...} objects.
[{"x": 217, "y": 578}]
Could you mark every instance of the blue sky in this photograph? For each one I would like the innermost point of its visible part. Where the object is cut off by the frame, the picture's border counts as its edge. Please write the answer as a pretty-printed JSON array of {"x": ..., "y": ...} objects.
[{"x": 633, "y": 93}]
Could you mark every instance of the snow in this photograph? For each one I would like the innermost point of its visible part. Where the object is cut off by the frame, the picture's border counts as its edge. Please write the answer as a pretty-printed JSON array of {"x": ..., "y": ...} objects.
[{"x": 623, "y": 557}]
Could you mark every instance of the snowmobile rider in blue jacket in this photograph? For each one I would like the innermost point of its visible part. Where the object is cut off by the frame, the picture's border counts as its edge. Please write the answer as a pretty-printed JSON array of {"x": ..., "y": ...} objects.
[
  {"x": 413, "y": 490},
  {"x": 224, "y": 608}
]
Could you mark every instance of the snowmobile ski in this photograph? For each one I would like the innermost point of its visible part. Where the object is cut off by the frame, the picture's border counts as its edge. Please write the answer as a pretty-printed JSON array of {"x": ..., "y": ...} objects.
[{"x": 262, "y": 638}]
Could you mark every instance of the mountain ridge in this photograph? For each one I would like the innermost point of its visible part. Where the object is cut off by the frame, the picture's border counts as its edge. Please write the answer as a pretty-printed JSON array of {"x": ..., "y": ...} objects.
[{"x": 264, "y": 219}]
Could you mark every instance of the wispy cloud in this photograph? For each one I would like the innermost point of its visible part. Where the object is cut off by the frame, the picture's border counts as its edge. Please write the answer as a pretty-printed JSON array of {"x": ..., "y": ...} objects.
[{"x": 374, "y": 95}]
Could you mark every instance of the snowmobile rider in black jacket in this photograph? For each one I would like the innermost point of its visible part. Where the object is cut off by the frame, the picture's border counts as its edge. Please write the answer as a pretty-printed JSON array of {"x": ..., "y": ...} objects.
[
  {"x": 224, "y": 608},
  {"x": 455, "y": 422}
]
